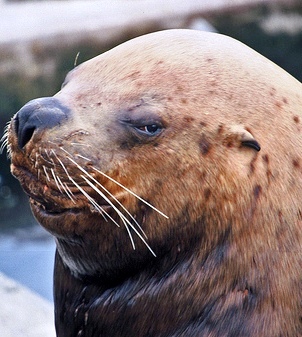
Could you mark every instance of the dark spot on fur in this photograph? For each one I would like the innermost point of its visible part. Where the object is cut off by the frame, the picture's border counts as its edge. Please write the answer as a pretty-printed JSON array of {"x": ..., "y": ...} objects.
[
  {"x": 272, "y": 91},
  {"x": 284, "y": 100},
  {"x": 296, "y": 163},
  {"x": 230, "y": 143},
  {"x": 257, "y": 191},
  {"x": 189, "y": 119},
  {"x": 220, "y": 129},
  {"x": 207, "y": 193},
  {"x": 204, "y": 145},
  {"x": 202, "y": 176},
  {"x": 296, "y": 119},
  {"x": 280, "y": 215},
  {"x": 265, "y": 158},
  {"x": 269, "y": 173},
  {"x": 278, "y": 104},
  {"x": 252, "y": 164},
  {"x": 184, "y": 101}
]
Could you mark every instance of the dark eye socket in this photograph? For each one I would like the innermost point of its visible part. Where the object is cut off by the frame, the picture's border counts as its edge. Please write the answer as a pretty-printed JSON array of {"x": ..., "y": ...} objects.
[{"x": 151, "y": 130}]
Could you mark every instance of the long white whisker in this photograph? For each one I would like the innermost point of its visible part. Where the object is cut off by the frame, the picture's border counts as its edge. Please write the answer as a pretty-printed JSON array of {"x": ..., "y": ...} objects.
[
  {"x": 93, "y": 202},
  {"x": 134, "y": 194},
  {"x": 121, "y": 215},
  {"x": 4, "y": 139},
  {"x": 69, "y": 194},
  {"x": 93, "y": 179},
  {"x": 46, "y": 174},
  {"x": 110, "y": 194},
  {"x": 55, "y": 179},
  {"x": 85, "y": 158},
  {"x": 36, "y": 161},
  {"x": 125, "y": 188},
  {"x": 65, "y": 187}
]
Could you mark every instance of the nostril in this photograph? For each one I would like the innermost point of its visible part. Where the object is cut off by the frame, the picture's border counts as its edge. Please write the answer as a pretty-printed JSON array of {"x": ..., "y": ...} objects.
[
  {"x": 25, "y": 136},
  {"x": 36, "y": 115}
]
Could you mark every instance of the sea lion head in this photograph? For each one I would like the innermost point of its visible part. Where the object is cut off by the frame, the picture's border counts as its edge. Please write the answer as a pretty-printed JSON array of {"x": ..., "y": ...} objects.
[{"x": 166, "y": 145}]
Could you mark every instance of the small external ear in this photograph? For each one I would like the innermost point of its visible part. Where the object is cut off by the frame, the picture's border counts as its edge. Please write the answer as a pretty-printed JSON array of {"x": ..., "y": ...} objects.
[
  {"x": 244, "y": 137},
  {"x": 248, "y": 140}
]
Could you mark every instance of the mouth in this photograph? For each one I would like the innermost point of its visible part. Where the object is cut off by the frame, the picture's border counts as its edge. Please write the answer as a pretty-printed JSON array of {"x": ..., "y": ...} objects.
[
  {"x": 47, "y": 201},
  {"x": 48, "y": 210}
]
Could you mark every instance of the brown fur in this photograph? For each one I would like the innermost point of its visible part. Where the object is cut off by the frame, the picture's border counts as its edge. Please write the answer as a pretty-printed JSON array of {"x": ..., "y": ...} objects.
[{"x": 229, "y": 257}]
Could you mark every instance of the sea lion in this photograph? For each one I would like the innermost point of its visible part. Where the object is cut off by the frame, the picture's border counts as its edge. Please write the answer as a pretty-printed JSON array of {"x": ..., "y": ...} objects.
[{"x": 169, "y": 170}]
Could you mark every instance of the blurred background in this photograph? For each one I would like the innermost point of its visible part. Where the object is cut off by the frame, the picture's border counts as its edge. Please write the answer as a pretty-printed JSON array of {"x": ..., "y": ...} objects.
[{"x": 39, "y": 42}]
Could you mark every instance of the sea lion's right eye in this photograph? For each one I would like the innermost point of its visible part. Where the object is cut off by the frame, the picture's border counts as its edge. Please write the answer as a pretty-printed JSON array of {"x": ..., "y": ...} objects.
[
  {"x": 151, "y": 130},
  {"x": 145, "y": 127}
]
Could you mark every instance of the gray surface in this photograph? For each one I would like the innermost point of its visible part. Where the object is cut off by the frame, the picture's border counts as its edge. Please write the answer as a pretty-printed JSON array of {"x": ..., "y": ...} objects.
[{"x": 23, "y": 313}]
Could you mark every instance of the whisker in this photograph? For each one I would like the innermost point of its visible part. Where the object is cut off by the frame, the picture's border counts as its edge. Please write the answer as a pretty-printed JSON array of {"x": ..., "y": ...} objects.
[
  {"x": 121, "y": 215},
  {"x": 134, "y": 194},
  {"x": 64, "y": 186},
  {"x": 4, "y": 138},
  {"x": 125, "y": 188},
  {"x": 60, "y": 162},
  {"x": 93, "y": 202},
  {"x": 124, "y": 208},
  {"x": 36, "y": 161},
  {"x": 85, "y": 158},
  {"x": 90, "y": 199},
  {"x": 110, "y": 194},
  {"x": 68, "y": 192},
  {"x": 68, "y": 189},
  {"x": 46, "y": 174},
  {"x": 55, "y": 179},
  {"x": 80, "y": 144}
]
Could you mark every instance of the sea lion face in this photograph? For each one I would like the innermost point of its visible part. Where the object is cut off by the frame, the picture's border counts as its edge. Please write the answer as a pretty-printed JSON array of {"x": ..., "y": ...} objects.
[{"x": 156, "y": 149}]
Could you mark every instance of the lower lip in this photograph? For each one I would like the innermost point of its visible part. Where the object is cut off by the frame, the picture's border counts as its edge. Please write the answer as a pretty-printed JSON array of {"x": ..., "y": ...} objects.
[{"x": 38, "y": 208}]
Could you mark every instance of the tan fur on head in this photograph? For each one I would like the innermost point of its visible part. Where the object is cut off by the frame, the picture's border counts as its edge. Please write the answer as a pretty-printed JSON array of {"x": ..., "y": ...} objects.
[{"x": 175, "y": 185}]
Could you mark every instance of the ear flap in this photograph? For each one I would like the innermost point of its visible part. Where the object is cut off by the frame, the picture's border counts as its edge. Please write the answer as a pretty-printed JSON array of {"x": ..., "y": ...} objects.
[
  {"x": 249, "y": 141},
  {"x": 244, "y": 137}
]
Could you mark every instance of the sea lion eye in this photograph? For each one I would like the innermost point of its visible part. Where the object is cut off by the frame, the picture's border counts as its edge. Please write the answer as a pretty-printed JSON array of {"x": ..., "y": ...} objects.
[{"x": 152, "y": 129}]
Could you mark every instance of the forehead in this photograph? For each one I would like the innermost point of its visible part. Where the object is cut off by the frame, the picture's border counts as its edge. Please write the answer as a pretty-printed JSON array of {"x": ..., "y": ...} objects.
[{"x": 169, "y": 49}]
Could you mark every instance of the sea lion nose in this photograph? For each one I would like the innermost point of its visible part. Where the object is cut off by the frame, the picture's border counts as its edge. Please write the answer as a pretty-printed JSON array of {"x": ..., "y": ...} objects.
[{"x": 36, "y": 115}]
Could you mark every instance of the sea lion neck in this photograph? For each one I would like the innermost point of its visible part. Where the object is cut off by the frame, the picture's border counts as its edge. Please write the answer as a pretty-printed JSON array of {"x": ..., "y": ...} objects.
[{"x": 107, "y": 265}]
